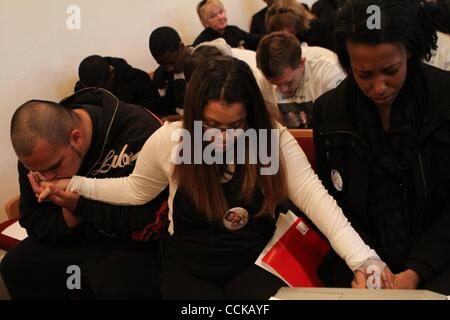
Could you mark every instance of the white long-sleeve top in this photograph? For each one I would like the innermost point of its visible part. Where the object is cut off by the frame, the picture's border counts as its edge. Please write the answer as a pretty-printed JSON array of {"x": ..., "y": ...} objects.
[{"x": 153, "y": 172}]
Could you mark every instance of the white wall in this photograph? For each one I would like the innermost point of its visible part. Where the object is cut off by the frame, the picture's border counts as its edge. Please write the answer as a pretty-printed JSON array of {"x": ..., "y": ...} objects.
[{"x": 39, "y": 55}]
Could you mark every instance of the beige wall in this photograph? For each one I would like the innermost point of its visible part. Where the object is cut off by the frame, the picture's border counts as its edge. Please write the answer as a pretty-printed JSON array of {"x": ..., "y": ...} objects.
[{"x": 39, "y": 55}]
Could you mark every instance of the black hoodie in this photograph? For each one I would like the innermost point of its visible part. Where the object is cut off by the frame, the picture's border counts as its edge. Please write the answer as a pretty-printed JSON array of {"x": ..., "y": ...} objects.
[
  {"x": 131, "y": 85},
  {"x": 119, "y": 132}
]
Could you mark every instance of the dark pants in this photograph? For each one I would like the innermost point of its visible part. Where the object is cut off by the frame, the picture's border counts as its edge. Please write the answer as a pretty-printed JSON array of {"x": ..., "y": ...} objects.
[
  {"x": 252, "y": 283},
  {"x": 35, "y": 270}
]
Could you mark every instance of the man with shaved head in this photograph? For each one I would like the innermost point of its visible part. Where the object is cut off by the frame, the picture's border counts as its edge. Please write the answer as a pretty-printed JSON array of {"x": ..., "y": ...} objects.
[{"x": 93, "y": 134}]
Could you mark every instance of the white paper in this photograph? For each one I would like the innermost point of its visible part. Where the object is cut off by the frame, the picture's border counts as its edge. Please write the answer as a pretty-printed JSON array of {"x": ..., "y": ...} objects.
[{"x": 15, "y": 231}]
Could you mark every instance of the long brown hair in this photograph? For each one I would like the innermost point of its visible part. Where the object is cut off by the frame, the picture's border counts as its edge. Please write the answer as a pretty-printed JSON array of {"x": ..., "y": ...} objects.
[{"x": 231, "y": 81}]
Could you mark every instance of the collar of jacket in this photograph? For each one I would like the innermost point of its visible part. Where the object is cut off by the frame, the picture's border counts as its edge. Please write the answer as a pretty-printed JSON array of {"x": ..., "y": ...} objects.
[
  {"x": 337, "y": 114},
  {"x": 109, "y": 105}
]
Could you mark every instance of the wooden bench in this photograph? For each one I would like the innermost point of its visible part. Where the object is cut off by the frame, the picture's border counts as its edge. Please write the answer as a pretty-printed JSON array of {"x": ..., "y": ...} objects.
[
  {"x": 12, "y": 212},
  {"x": 305, "y": 139}
]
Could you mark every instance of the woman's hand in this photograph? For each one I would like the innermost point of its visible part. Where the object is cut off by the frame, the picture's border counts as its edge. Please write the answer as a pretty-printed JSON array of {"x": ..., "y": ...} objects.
[
  {"x": 38, "y": 183},
  {"x": 60, "y": 197},
  {"x": 53, "y": 191},
  {"x": 371, "y": 276}
]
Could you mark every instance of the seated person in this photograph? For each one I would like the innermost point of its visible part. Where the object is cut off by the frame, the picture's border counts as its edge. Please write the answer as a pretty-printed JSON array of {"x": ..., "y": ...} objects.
[
  {"x": 382, "y": 141},
  {"x": 438, "y": 15},
  {"x": 170, "y": 53},
  {"x": 95, "y": 135},
  {"x": 213, "y": 16},
  {"x": 292, "y": 17},
  {"x": 301, "y": 74},
  {"x": 206, "y": 256},
  {"x": 129, "y": 84},
  {"x": 325, "y": 10},
  {"x": 258, "y": 25},
  {"x": 440, "y": 56},
  {"x": 219, "y": 47},
  {"x": 439, "y": 12}
]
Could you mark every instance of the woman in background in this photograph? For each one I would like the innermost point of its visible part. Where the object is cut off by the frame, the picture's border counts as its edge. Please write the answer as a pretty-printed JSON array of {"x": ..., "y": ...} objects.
[{"x": 213, "y": 17}]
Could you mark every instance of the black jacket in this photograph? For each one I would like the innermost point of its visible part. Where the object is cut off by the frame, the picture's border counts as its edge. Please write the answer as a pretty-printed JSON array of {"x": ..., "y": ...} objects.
[
  {"x": 258, "y": 25},
  {"x": 232, "y": 35},
  {"x": 339, "y": 146},
  {"x": 119, "y": 132},
  {"x": 318, "y": 35},
  {"x": 131, "y": 85},
  {"x": 171, "y": 92},
  {"x": 326, "y": 10}
]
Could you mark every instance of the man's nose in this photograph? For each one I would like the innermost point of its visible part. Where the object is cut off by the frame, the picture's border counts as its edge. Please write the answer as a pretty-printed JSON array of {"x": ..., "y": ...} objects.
[{"x": 283, "y": 89}]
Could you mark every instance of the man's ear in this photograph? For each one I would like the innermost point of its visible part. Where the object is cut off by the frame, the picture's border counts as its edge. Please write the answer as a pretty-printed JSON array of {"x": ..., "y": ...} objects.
[
  {"x": 76, "y": 138},
  {"x": 302, "y": 61}
]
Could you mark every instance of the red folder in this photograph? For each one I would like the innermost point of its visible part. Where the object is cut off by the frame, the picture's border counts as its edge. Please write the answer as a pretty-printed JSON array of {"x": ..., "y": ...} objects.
[{"x": 297, "y": 255}]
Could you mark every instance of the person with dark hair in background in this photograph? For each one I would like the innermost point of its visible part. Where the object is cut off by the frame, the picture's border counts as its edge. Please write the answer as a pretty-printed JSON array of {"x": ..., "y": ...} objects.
[
  {"x": 325, "y": 10},
  {"x": 213, "y": 17},
  {"x": 129, "y": 84},
  {"x": 382, "y": 141},
  {"x": 439, "y": 15},
  {"x": 115, "y": 248},
  {"x": 206, "y": 257},
  {"x": 170, "y": 53},
  {"x": 291, "y": 16},
  {"x": 258, "y": 25}
]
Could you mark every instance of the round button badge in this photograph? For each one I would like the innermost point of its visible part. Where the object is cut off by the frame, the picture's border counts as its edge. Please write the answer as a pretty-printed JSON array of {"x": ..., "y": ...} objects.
[
  {"x": 336, "y": 179},
  {"x": 235, "y": 218}
]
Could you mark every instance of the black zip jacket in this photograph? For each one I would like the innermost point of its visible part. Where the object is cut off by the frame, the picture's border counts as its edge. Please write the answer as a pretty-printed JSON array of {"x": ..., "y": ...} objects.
[
  {"x": 174, "y": 91},
  {"x": 131, "y": 85},
  {"x": 119, "y": 132},
  {"x": 338, "y": 146},
  {"x": 232, "y": 35}
]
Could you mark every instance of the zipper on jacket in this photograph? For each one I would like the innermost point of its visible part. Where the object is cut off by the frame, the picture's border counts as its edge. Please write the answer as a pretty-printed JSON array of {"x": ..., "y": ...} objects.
[
  {"x": 107, "y": 134},
  {"x": 422, "y": 173}
]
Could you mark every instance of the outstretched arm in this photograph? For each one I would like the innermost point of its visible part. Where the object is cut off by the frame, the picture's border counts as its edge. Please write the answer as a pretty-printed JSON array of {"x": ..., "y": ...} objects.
[
  {"x": 306, "y": 191},
  {"x": 149, "y": 177}
]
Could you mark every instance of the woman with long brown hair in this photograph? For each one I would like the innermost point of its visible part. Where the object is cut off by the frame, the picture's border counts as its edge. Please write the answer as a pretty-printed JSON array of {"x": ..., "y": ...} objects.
[{"x": 223, "y": 213}]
